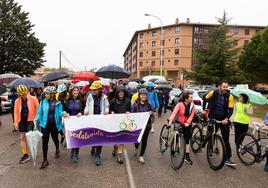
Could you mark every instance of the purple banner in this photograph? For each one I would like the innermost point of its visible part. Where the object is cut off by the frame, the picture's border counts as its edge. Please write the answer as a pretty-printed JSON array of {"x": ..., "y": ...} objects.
[{"x": 96, "y": 137}]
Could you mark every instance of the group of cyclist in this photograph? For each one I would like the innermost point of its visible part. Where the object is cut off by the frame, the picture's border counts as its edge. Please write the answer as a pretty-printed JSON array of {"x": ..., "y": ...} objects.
[{"x": 60, "y": 102}]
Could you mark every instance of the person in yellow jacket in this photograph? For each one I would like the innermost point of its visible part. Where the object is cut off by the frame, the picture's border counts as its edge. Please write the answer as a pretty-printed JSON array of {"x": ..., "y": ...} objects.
[
  {"x": 241, "y": 117},
  {"x": 135, "y": 96},
  {"x": 25, "y": 110}
]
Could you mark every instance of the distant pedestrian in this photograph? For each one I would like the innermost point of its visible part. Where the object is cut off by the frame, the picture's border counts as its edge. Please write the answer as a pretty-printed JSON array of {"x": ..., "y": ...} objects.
[
  {"x": 161, "y": 101},
  {"x": 13, "y": 95}
]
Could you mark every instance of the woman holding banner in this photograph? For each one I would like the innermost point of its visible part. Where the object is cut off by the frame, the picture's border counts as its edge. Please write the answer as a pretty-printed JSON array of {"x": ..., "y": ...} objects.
[
  {"x": 49, "y": 117},
  {"x": 74, "y": 107},
  {"x": 96, "y": 103},
  {"x": 119, "y": 105},
  {"x": 142, "y": 105}
]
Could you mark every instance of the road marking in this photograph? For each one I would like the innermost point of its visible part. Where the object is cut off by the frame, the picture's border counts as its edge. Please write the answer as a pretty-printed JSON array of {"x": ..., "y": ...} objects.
[{"x": 129, "y": 171}]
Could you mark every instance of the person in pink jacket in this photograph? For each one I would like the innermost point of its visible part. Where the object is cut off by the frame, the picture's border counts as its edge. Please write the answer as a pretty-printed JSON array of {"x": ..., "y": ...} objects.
[{"x": 184, "y": 113}]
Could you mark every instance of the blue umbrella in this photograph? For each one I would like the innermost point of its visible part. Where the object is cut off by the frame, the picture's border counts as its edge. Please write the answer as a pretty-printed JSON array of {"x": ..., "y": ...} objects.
[{"x": 29, "y": 82}]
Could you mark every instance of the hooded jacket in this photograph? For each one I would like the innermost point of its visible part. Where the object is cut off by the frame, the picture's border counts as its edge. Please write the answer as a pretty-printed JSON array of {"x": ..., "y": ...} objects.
[{"x": 119, "y": 106}]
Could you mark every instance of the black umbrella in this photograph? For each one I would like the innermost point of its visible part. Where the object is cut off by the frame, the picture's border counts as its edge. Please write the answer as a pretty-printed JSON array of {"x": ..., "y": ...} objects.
[
  {"x": 163, "y": 86},
  {"x": 29, "y": 82},
  {"x": 113, "y": 72},
  {"x": 138, "y": 80},
  {"x": 162, "y": 82},
  {"x": 55, "y": 76}
]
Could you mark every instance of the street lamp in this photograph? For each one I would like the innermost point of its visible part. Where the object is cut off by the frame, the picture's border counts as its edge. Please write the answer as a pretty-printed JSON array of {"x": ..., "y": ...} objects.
[{"x": 161, "y": 40}]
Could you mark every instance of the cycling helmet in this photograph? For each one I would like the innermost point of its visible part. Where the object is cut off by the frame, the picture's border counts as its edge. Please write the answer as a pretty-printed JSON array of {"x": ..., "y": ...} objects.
[
  {"x": 61, "y": 88},
  {"x": 22, "y": 90},
  {"x": 50, "y": 89},
  {"x": 140, "y": 86},
  {"x": 74, "y": 86},
  {"x": 96, "y": 85},
  {"x": 143, "y": 90},
  {"x": 150, "y": 84}
]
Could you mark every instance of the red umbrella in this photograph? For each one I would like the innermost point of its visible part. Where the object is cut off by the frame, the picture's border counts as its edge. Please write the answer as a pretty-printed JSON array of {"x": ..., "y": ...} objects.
[
  {"x": 75, "y": 81},
  {"x": 85, "y": 75}
]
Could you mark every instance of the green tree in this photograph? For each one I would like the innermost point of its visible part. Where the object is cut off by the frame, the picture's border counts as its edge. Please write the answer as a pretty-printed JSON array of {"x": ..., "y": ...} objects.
[
  {"x": 218, "y": 61},
  {"x": 254, "y": 59},
  {"x": 20, "y": 51}
]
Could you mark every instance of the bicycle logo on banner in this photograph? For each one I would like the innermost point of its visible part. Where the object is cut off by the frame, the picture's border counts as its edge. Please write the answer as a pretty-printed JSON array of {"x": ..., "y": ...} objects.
[{"x": 128, "y": 124}]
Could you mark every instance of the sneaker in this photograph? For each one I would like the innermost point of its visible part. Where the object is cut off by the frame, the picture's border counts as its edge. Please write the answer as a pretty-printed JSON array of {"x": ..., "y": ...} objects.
[
  {"x": 57, "y": 154},
  {"x": 136, "y": 150},
  {"x": 75, "y": 158},
  {"x": 98, "y": 161},
  {"x": 62, "y": 139},
  {"x": 188, "y": 160},
  {"x": 25, "y": 158},
  {"x": 141, "y": 160},
  {"x": 14, "y": 130},
  {"x": 44, "y": 164},
  {"x": 229, "y": 162},
  {"x": 120, "y": 159},
  {"x": 152, "y": 130},
  {"x": 71, "y": 154},
  {"x": 266, "y": 167},
  {"x": 114, "y": 151}
]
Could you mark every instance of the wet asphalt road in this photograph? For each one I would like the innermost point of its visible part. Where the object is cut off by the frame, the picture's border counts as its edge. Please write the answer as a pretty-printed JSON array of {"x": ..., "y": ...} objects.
[{"x": 156, "y": 172}]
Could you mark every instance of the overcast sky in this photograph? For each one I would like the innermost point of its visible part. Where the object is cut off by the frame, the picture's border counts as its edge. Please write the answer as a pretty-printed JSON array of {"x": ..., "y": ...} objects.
[{"x": 96, "y": 33}]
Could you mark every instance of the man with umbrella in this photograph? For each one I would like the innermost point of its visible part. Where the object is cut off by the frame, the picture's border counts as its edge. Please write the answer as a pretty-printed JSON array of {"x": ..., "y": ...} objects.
[{"x": 25, "y": 110}]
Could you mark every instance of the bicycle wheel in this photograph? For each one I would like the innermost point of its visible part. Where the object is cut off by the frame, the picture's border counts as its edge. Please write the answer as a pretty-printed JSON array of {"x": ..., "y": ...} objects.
[
  {"x": 163, "y": 139},
  {"x": 177, "y": 151},
  {"x": 196, "y": 139},
  {"x": 248, "y": 149},
  {"x": 216, "y": 152}
]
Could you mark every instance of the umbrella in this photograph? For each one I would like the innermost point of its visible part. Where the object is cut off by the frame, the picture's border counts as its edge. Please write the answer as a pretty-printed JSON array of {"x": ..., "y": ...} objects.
[
  {"x": 163, "y": 86},
  {"x": 33, "y": 138},
  {"x": 160, "y": 81},
  {"x": 85, "y": 75},
  {"x": 82, "y": 83},
  {"x": 9, "y": 75},
  {"x": 55, "y": 76},
  {"x": 137, "y": 80},
  {"x": 113, "y": 72},
  {"x": 254, "y": 96},
  {"x": 29, "y": 82},
  {"x": 132, "y": 85},
  {"x": 75, "y": 81}
]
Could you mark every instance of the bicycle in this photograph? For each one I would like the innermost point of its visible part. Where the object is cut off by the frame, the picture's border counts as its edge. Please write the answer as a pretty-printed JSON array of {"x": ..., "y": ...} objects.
[
  {"x": 216, "y": 150},
  {"x": 172, "y": 137},
  {"x": 250, "y": 149}
]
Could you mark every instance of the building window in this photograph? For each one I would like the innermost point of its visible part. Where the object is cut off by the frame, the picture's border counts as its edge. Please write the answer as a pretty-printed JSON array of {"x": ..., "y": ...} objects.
[
  {"x": 246, "y": 31},
  {"x": 177, "y": 40},
  {"x": 153, "y": 53},
  {"x": 235, "y": 42},
  {"x": 195, "y": 41},
  {"x": 153, "y": 63},
  {"x": 196, "y": 29},
  {"x": 141, "y": 44},
  {"x": 177, "y": 29},
  {"x": 163, "y": 62},
  {"x": 163, "y": 52},
  {"x": 141, "y": 64},
  {"x": 177, "y": 51},
  {"x": 141, "y": 35},
  {"x": 176, "y": 62},
  {"x": 206, "y": 30},
  {"x": 153, "y": 43},
  {"x": 163, "y": 43},
  {"x": 153, "y": 33},
  {"x": 257, "y": 30},
  {"x": 141, "y": 54},
  {"x": 246, "y": 42},
  {"x": 201, "y": 30},
  {"x": 236, "y": 31},
  {"x": 201, "y": 41}
]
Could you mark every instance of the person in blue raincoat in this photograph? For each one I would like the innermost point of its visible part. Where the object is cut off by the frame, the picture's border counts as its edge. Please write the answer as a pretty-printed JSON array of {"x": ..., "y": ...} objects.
[
  {"x": 152, "y": 99},
  {"x": 49, "y": 117}
]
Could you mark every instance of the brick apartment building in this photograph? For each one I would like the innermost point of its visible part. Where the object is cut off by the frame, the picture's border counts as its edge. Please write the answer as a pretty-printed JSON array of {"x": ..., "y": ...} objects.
[{"x": 142, "y": 55}]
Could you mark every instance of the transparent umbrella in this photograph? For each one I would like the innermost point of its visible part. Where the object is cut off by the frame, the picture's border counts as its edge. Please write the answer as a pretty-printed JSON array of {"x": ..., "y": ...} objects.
[{"x": 33, "y": 138}]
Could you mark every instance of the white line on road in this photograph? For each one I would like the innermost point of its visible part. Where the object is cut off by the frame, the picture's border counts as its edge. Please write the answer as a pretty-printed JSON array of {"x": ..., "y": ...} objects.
[{"x": 129, "y": 171}]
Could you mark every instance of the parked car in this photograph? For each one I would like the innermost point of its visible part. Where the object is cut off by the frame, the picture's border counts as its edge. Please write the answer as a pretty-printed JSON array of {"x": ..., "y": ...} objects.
[
  {"x": 197, "y": 98},
  {"x": 6, "y": 103},
  {"x": 175, "y": 92}
]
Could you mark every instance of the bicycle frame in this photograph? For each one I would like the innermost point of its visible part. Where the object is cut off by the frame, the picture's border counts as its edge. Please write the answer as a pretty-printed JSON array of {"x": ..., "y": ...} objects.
[{"x": 260, "y": 157}]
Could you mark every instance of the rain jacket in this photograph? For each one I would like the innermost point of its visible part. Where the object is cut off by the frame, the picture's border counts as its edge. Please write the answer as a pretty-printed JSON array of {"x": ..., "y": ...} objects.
[
  {"x": 43, "y": 111},
  {"x": 104, "y": 105},
  {"x": 153, "y": 99},
  {"x": 179, "y": 110}
]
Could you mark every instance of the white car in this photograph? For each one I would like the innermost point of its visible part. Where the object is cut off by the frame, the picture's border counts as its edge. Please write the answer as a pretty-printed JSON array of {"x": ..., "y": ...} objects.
[
  {"x": 197, "y": 98},
  {"x": 172, "y": 94},
  {"x": 5, "y": 102}
]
